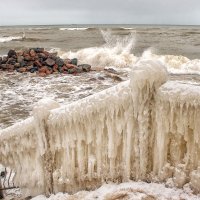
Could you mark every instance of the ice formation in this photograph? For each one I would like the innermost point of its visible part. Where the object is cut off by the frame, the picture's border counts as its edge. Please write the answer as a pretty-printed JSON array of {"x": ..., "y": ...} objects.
[
  {"x": 177, "y": 134},
  {"x": 127, "y": 191},
  {"x": 143, "y": 129}
]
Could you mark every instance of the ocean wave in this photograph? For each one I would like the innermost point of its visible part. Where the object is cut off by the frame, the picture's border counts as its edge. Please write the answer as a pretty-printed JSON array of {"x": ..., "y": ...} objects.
[
  {"x": 175, "y": 64},
  {"x": 118, "y": 52},
  {"x": 36, "y": 39},
  {"x": 124, "y": 28},
  {"x": 115, "y": 52},
  {"x": 39, "y": 28},
  {"x": 73, "y": 29},
  {"x": 112, "y": 57},
  {"x": 10, "y": 38}
]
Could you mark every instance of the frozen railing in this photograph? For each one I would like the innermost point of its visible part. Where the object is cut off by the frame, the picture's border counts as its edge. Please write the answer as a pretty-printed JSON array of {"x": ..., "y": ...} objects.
[
  {"x": 19, "y": 151},
  {"x": 177, "y": 133},
  {"x": 122, "y": 133}
]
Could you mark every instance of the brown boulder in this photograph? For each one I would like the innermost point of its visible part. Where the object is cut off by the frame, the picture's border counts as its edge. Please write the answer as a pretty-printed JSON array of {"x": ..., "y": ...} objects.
[
  {"x": 64, "y": 68},
  {"x": 55, "y": 68},
  {"x": 4, "y": 66},
  {"x": 50, "y": 62},
  {"x": 11, "y": 53},
  {"x": 42, "y": 55},
  {"x": 70, "y": 66},
  {"x": 4, "y": 59},
  {"x": 29, "y": 67},
  {"x": 37, "y": 63},
  {"x": 42, "y": 74},
  {"x": 32, "y": 53},
  {"x": 27, "y": 58},
  {"x": 85, "y": 67},
  {"x": 26, "y": 52},
  {"x": 22, "y": 69},
  {"x": 20, "y": 53},
  {"x": 17, "y": 65},
  {"x": 67, "y": 61},
  {"x": 10, "y": 67},
  {"x": 43, "y": 69},
  {"x": 20, "y": 59},
  {"x": 46, "y": 53},
  {"x": 11, "y": 61},
  {"x": 38, "y": 50},
  {"x": 49, "y": 71}
]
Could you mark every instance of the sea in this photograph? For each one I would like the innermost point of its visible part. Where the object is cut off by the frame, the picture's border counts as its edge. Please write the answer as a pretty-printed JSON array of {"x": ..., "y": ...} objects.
[{"x": 111, "y": 50}]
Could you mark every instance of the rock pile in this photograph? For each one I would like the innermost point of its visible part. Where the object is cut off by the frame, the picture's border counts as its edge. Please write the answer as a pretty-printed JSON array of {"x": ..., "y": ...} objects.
[{"x": 40, "y": 61}]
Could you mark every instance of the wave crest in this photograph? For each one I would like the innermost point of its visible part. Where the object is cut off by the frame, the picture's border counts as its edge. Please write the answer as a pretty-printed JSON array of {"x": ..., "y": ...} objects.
[
  {"x": 115, "y": 52},
  {"x": 72, "y": 29},
  {"x": 10, "y": 38}
]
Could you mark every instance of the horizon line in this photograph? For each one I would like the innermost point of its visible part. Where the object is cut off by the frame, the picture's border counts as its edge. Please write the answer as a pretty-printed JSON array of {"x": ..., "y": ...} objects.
[{"x": 98, "y": 24}]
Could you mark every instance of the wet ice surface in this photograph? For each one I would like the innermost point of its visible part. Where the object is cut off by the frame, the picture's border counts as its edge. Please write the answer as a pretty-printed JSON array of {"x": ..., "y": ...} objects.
[{"x": 19, "y": 92}]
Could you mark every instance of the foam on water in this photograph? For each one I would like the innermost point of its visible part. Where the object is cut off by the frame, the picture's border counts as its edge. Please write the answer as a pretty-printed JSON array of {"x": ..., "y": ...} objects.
[
  {"x": 72, "y": 29},
  {"x": 18, "y": 92},
  {"x": 10, "y": 38},
  {"x": 175, "y": 63},
  {"x": 127, "y": 28},
  {"x": 115, "y": 52}
]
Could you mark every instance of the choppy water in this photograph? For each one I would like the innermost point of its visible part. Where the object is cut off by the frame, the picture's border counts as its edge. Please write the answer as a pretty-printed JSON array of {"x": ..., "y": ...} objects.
[
  {"x": 118, "y": 46},
  {"x": 173, "y": 40}
]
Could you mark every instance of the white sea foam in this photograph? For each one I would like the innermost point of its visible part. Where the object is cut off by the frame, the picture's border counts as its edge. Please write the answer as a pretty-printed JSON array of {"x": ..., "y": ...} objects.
[
  {"x": 10, "y": 38},
  {"x": 125, "y": 28},
  {"x": 175, "y": 63},
  {"x": 72, "y": 29},
  {"x": 14, "y": 97},
  {"x": 39, "y": 28},
  {"x": 115, "y": 52}
]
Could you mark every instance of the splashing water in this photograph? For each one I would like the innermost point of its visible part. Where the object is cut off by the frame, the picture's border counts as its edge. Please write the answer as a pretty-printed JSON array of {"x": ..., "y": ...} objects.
[{"x": 115, "y": 52}]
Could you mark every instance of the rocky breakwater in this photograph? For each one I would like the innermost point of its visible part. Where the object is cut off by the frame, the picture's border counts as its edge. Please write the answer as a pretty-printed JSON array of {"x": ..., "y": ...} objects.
[{"x": 40, "y": 61}]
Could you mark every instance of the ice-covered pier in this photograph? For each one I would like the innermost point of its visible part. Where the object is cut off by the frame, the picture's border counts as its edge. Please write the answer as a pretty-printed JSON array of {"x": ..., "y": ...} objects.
[{"x": 147, "y": 128}]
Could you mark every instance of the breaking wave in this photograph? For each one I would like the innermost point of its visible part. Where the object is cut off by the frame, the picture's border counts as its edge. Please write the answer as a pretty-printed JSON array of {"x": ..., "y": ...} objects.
[
  {"x": 72, "y": 29},
  {"x": 39, "y": 28},
  {"x": 118, "y": 52},
  {"x": 126, "y": 28},
  {"x": 115, "y": 52},
  {"x": 177, "y": 64},
  {"x": 10, "y": 38}
]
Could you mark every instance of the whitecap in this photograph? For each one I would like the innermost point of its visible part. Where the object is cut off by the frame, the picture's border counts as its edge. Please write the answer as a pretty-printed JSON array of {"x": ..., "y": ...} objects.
[
  {"x": 73, "y": 29},
  {"x": 10, "y": 38}
]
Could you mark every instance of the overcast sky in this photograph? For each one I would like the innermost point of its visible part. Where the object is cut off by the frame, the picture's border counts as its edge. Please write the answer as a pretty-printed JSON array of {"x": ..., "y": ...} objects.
[{"x": 29, "y": 12}]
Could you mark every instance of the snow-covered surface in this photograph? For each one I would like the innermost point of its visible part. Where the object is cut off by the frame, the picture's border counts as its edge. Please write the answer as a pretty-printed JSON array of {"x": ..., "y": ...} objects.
[
  {"x": 128, "y": 190},
  {"x": 180, "y": 92}
]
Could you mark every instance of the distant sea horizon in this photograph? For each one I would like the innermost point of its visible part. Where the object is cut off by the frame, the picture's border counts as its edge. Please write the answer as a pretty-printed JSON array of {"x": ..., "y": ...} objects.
[{"x": 100, "y": 24}]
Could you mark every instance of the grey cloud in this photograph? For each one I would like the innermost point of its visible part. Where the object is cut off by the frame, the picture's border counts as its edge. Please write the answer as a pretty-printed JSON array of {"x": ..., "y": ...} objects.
[{"x": 104, "y": 11}]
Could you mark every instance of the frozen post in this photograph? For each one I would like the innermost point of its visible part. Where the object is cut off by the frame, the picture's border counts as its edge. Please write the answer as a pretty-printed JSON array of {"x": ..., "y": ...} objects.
[{"x": 41, "y": 113}]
